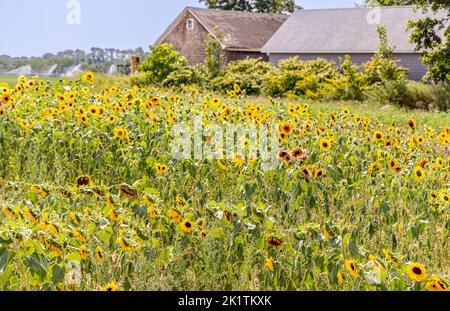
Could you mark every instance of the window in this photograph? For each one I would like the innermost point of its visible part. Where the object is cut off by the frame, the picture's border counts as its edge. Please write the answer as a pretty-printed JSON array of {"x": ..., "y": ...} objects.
[{"x": 190, "y": 24}]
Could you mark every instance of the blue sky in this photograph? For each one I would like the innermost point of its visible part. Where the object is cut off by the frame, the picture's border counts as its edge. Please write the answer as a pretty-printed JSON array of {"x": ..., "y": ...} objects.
[{"x": 34, "y": 27}]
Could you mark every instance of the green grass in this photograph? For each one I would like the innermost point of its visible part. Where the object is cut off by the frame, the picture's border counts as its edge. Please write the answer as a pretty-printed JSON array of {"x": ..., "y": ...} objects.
[{"x": 12, "y": 80}]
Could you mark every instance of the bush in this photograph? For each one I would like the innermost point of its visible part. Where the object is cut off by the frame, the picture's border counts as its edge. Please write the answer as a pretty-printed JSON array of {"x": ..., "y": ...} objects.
[
  {"x": 248, "y": 74},
  {"x": 411, "y": 94},
  {"x": 161, "y": 62},
  {"x": 189, "y": 75},
  {"x": 299, "y": 77},
  {"x": 380, "y": 69}
]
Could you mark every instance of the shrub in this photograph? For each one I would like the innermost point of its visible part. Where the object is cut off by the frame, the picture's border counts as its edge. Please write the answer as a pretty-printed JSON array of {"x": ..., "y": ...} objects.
[
  {"x": 161, "y": 62},
  {"x": 248, "y": 74},
  {"x": 189, "y": 75},
  {"x": 380, "y": 69},
  {"x": 299, "y": 77},
  {"x": 411, "y": 94}
]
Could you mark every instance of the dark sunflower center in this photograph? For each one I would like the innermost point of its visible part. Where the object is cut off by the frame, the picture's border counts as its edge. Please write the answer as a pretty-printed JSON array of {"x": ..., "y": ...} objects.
[
  {"x": 188, "y": 225},
  {"x": 417, "y": 270}
]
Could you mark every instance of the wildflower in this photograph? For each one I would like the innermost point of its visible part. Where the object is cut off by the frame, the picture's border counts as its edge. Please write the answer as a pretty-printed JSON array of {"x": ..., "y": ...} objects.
[
  {"x": 161, "y": 169},
  {"x": 120, "y": 133},
  {"x": 274, "y": 241},
  {"x": 436, "y": 285},
  {"x": 88, "y": 77},
  {"x": 99, "y": 253},
  {"x": 352, "y": 268},
  {"x": 325, "y": 144},
  {"x": 187, "y": 226},
  {"x": 83, "y": 252},
  {"x": 111, "y": 287},
  {"x": 419, "y": 173},
  {"x": 270, "y": 265},
  {"x": 203, "y": 234},
  {"x": 416, "y": 271},
  {"x": 340, "y": 278},
  {"x": 124, "y": 245},
  {"x": 378, "y": 136},
  {"x": 411, "y": 123},
  {"x": 80, "y": 237},
  {"x": 174, "y": 214}
]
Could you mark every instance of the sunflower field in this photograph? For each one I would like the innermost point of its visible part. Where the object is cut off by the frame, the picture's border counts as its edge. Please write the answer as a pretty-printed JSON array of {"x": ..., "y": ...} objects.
[{"x": 92, "y": 198}]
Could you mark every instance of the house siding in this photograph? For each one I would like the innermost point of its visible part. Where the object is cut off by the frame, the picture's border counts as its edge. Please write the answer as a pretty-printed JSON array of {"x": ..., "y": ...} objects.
[
  {"x": 189, "y": 43},
  {"x": 239, "y": 55},
  {"x": 410, "y": 61}
]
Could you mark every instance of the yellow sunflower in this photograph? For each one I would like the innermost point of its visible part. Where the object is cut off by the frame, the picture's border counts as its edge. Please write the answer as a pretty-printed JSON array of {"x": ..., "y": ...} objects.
[
  {"x": 325, "y": 145},
  {"x": 352, "y": 268},
  {"x": 416, "y": 271},
  {"x": 419, "y": 173},
  {"x": 120, "y": 133},
  {"x": 187, "y": 226}
]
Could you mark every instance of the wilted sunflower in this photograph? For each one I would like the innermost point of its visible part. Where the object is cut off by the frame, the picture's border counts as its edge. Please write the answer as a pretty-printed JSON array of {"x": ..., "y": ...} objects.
[
  {"x": 124, "y": 245},
  {"x": 83, "y": 252},
  {"x": 436, "y": 285},
  {"x": 174, "y": 214},
  {"x": 389, "y": 256},
  {"x": 270, "y": 265},
  {"x": 274, "y": 241},
  {"x": 297, "y": 153},
  {"x": 352, "y": 268},
  {"x": 83, "y": 181},
  {"x": 286, "y": 128},
  {"x": 99, "y": 253},
  {"x": 203, "y": 234},
  {"x": 416, "y": 271},
  {"x": 187, "y": 226},
  {"x": 78, "y": 235},
  {"x": 411, "y": 123}
]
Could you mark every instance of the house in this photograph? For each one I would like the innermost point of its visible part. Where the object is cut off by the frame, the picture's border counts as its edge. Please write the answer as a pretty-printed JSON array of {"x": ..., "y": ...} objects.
[
  {"x": 241, "y": 34},
  {"x": 334, "y": 33}
]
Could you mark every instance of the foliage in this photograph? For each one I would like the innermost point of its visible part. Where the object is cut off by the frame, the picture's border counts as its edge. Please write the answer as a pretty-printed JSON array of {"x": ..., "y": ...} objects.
[
  {"x": 372, "y": 3},
  {"x": 92, "y": 197},
  {"x": 430, "y": 34},
  {"x": 161, "y": 62},
  {"x": 214, "y": 57},
  {"x": 260, "y": 6},
  {"x": 97, "y": 59},
  {"x": 248, "y": 74},
  {"x": 189, "y": 75},
  {"x": 412, "y": 95},
  {"x": 300, "y": 77}
]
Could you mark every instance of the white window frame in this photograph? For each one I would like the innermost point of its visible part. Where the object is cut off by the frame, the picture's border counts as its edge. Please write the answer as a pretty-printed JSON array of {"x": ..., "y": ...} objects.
[{"x": 190, "y": 24}]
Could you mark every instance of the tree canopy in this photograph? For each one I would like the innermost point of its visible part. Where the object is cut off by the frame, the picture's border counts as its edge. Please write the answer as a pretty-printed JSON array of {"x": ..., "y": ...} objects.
[
  {"x": 260, "y": 6},
  {"x": 431, "y": 34}
]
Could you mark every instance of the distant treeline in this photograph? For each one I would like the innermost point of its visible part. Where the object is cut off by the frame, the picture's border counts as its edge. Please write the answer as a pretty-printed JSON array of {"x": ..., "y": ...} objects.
[{"x": 97, "y": 60}]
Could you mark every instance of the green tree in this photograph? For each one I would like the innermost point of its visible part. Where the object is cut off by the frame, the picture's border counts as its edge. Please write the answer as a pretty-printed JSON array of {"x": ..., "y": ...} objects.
[
  {"x": 372, "y": 3},
  {"x": 430, "y": 34},
  {"x": 161, "y": 62},
  {"x": 260, "y": 6}
]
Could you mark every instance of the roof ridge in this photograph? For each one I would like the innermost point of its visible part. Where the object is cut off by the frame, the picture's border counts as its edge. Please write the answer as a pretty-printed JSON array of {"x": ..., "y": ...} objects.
[
  {"x": 235, "y": 12},
  {"x": 359, "y": 8}
]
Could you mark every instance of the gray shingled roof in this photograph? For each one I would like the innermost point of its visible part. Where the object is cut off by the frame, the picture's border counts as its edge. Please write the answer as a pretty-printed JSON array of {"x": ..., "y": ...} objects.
[
  {"x": 342, "y": 31},
  {"x": 240, "y": 30}
]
